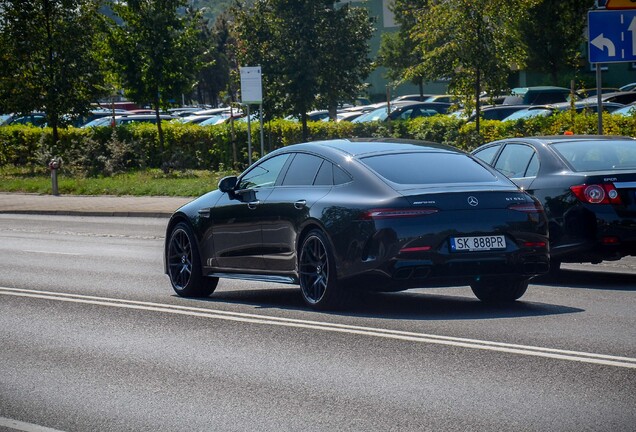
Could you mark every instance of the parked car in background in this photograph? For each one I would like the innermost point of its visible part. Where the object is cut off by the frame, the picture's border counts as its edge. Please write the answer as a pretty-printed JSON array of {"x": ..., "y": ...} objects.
[
  {"x": 413, "y": 97},
  {"x": 497, "y": 112},
  {"x": 404, "y": 111},
  {"x": 628, "y": 87},
  {"x": 35, "y": 119},
  {"x": 624, "y": 98},
  {"x": 443, "y": 98},
  {"x": 587, "y": 185},
  {"x": 127, "y": 119},
  {"x": 593, "y": 91},
  {"x": 548, "y": 110},
  {"x": 343, "y": 215},
  {"x": 627, "y": 110},
  {"x": 539, "y": 95}
]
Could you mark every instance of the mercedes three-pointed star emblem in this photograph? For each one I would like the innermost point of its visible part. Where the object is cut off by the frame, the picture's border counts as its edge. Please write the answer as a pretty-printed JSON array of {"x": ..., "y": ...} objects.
[{"x": 473, "y": 201}]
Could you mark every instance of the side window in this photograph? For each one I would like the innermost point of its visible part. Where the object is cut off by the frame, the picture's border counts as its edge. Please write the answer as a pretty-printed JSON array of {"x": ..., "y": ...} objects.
[
  {"x": 514, "y": 159},
  {"x": 488, "y": 153},
  {"x": 533, "y": 166},
  {"x": 339, "y": 176},
  {"x": 325, "y": 174},
  {"x": 264, "y": 174},
  {"x": 302, "y": 170}
]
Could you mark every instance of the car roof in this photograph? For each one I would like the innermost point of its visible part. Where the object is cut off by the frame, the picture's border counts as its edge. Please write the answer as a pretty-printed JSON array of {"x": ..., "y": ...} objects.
[
  {"x": 551, "y": 139},
  {"x": 359, "y": 147}
]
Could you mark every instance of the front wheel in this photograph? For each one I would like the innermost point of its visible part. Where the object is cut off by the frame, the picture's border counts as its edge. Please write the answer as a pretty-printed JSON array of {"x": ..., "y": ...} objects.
[
  {"x": 317, "y": 273},
  {"x": 499, "y": 290},
  {"x": 184, "y": 265}
]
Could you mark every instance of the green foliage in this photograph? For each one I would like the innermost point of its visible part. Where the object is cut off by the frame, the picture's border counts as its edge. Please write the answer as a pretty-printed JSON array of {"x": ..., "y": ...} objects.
[
  {"x": 103, "y": 152},
  {"x": 553, "y": 35},
  {"x": 156, "y": 50},
  {"x": 473, "y": 43},
  {"x": 305, "y": 48},
  {"x": 399, "y": 52},
  {"x": 49, "y": 57}
]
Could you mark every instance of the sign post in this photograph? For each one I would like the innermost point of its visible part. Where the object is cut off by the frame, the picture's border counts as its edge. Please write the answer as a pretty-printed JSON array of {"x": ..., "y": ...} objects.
[
  {"x": 252, "y": 93},
  {"x": 612, "y": 39}
]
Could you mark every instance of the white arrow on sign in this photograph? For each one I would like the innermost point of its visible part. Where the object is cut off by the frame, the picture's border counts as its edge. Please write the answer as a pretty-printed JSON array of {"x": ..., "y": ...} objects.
[
  {"x": 601, "y": 42},
  {"x": 632, "y": 28}
]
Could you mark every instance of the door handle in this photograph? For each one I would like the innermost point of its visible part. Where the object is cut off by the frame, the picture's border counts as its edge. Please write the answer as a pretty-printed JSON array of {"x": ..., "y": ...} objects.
[
  {"x": 300, "y": 204},
  {"x": 253, "y": 204}
]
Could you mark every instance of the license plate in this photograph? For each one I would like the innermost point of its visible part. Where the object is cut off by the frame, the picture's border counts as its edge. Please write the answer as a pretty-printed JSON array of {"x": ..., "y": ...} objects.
[{"x": 480, "y": 243}]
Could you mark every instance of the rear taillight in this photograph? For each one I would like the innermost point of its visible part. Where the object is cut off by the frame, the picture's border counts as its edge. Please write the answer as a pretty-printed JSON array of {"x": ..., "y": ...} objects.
[
  {"x": 388, "y": 213},
  {"x": 604, "y": 193},
  {"x": 531, "y": 207}
]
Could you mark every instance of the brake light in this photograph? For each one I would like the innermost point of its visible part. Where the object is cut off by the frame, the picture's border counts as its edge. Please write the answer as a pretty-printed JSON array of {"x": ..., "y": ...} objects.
[
  {"x": 604, "y": 193},
  {"x": 388, "y": 213},
  {"x": 415, "y": 249},
  {"x": 535, "y": 244},
  {"x": 532, "y": 207}
]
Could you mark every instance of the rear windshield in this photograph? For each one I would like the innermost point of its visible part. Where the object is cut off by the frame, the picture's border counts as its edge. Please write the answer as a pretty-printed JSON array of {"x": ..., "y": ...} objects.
[
  {"x": 429, "y": 168},
  {"x": 598, "y": 155}
]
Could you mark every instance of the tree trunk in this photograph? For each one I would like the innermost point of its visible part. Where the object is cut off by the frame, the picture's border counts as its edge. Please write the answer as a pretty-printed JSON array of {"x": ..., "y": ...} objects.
[{"x": 159, "y": 129}]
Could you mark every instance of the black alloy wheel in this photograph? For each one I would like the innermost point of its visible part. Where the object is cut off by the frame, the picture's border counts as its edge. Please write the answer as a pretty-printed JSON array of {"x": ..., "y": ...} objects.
[
  {"x": 317, "y": 272},
  {"x": 184, "y": 265},
  {"x": 499, "y": 290}
]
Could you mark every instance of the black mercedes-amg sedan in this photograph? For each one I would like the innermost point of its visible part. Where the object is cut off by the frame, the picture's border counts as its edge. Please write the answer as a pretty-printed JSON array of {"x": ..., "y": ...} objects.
[
  {"x": 374, "y": 214},
  {"x": 587, "y": 185}
]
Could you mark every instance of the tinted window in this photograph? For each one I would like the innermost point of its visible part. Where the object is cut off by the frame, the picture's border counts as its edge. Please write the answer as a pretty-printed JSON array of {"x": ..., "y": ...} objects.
[
  {"x": 325, "y": 174},
  {"x": 488, "y": 153},
  {"x": 302, "y": 170},
  {"x": 428, "y": 168},
  {"x": 514, "y": 159},
  {"x": 598, "y": 155},
  {"x": 533, "y": 166},
  {"x": 264, "y": 174},
  {"x": 339, "y": 176}
]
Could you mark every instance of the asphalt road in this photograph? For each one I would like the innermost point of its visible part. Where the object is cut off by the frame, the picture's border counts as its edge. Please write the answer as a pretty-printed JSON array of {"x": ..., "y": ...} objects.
[{"x": 93, "y": 339}]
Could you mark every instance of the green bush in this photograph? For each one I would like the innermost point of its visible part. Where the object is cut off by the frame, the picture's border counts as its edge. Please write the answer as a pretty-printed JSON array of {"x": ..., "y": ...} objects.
[{"x": 106, "y": 151}]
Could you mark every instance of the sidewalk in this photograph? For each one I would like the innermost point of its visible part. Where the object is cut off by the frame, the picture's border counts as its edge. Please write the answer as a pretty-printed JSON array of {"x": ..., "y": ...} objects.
[{"x": 105, "y": 205}]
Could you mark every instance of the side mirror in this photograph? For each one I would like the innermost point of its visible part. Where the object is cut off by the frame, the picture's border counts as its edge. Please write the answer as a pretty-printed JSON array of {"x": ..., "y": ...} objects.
[{"x": 227, "y": 184}]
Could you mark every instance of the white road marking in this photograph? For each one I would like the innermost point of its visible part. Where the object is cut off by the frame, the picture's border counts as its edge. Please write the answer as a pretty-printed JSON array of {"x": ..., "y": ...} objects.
[
  {"x": 552, "y": 353},
  {"x": 25, "y": 427},
  {"x": 51, "y": 253}
]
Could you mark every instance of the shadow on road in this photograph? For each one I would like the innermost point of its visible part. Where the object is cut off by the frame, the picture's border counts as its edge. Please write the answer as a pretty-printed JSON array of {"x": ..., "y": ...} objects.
[
  {"x": 569, "y": 278},
  {"x": 401, "y": 306}
]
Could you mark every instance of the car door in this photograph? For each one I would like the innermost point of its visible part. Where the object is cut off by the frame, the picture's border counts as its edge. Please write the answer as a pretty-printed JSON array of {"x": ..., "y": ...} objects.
[
  {"x": 237, "y": 217},
  {"x": 308, "y": 179}
]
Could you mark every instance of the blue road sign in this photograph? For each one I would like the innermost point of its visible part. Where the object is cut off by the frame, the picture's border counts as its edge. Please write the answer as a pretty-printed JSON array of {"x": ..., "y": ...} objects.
[{"x": 612, "y": 36}]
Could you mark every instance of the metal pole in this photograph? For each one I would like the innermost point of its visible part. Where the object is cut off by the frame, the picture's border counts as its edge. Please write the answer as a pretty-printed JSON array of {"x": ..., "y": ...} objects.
[
  {"x": 249, "y": 137},
  {"x": 599, "y": 99},
  {"x": 262, "y": 136}
]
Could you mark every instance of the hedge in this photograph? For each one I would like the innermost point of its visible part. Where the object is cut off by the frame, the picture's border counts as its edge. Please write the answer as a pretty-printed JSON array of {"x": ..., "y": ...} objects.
[{"x": 104, "y": 151}]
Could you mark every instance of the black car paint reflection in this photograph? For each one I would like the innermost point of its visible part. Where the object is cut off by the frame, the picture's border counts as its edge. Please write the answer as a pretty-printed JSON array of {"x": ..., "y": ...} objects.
[{"x": 342, "y": 215}]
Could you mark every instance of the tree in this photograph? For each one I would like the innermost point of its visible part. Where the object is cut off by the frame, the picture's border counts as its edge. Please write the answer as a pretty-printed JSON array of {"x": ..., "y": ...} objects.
[
  {"x": 214, "y": 78},
  {"x": 296, "y": 44},
  {"x": 474, "y": 43},
  {"x": 344, "y": 55},
  {"x": 553, "y": 35},
  {"x": 156, "y": 50},
  {"x": 49, "y": 51},
  {"x": 398, "y": 51}
]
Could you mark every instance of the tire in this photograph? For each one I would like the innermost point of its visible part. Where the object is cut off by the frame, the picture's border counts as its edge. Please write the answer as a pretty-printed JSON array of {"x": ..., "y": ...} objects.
[
  {"x": 184, "y": 265},
  {"x": 499, "y": 290},
  {"x": 317, "y": 273}
]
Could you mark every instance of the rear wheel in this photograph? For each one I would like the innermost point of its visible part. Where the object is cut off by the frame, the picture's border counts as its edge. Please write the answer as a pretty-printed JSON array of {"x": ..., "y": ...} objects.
[
  {"x": 317, "y": 271},
  {"x": 499, "y": 290},
  {"x": 184, "y": 265}
]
